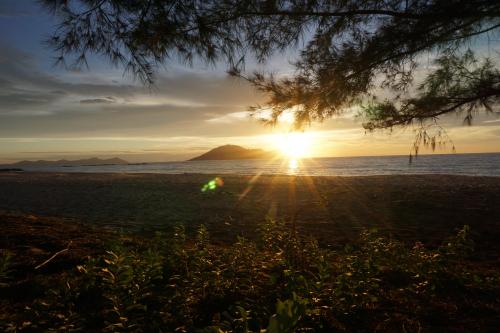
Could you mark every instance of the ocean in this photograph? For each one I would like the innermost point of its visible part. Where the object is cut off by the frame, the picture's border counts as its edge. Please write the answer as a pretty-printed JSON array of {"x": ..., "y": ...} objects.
[{"x": 452, "y": 164}]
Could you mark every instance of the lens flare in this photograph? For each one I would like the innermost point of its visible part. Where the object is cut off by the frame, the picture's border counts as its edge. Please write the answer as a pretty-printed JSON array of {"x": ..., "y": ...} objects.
[{"x": 212, "y": 184}]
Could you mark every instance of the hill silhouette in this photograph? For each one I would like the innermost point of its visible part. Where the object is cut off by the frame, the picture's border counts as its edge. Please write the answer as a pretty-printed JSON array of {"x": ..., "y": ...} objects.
[
  {"x": 69, "y": 163},
  {"x": 234, "y": 152}
]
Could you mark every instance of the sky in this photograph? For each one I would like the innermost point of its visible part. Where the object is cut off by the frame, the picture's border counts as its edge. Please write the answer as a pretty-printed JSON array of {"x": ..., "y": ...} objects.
[{"x": 48, "y": 112}]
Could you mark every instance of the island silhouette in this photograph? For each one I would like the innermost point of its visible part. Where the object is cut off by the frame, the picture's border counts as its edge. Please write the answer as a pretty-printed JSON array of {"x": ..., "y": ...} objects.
[
  {"x": 234, "y": 152},
  {"x": 70, "y": 163}
]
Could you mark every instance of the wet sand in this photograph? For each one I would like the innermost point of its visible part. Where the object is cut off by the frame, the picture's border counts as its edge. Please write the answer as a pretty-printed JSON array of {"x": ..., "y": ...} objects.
[{"x": 334, "y": 209}]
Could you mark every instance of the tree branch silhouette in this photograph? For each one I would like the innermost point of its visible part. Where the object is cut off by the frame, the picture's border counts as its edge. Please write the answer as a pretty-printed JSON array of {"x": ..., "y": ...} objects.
[{"x": 350, "y": 48}]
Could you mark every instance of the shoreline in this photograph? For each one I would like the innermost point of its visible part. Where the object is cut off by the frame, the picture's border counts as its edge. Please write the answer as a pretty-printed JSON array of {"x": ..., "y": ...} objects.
[{"x": 142, "y": 173}]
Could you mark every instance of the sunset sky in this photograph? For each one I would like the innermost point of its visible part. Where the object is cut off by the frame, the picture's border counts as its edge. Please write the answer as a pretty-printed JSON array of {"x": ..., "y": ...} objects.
[{"x": 53, "y": 113}]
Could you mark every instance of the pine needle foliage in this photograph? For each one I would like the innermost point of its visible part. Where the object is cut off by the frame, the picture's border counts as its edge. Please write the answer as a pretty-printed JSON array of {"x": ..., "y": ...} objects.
[{"x": 347, "y": 50}]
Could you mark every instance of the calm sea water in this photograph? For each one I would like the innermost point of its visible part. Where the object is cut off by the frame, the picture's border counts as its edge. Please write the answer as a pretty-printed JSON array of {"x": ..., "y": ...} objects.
[{"x": 453, "y": 164}]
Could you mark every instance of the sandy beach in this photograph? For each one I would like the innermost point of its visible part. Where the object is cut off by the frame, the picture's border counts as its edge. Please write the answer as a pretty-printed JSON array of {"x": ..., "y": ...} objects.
[{"x": 333, "y": 209}]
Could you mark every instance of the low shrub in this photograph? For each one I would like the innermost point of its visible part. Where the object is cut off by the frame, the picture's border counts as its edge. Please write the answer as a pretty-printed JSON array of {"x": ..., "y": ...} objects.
[{"x": 282, "y": 283}]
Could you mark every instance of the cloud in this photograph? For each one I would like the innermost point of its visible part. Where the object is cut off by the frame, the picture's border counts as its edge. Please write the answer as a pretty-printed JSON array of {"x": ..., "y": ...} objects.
[
  {"x": 209, "y": 88},
  {"x": 230, "y": 117},
  {"x": 36, "y": 103},
  {"x": 28, "y": 90},
  {"x": 20, "y": 99},
  {"x": 105, "y": 100},
  {"x": 24, "y": 87}
]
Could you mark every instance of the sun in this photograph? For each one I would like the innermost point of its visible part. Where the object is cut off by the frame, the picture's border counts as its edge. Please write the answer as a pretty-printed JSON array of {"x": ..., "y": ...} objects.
[{"x": 294, "y": 144}]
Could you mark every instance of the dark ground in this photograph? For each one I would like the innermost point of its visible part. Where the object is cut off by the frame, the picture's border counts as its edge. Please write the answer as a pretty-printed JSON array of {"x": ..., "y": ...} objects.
[{"x": 334, "y": 209}]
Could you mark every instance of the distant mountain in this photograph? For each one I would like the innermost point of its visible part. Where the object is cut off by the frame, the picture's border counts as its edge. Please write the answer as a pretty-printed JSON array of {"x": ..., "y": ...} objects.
[
  {"x": 82, "y": 162},
  {"x": 233, "y": 152}
]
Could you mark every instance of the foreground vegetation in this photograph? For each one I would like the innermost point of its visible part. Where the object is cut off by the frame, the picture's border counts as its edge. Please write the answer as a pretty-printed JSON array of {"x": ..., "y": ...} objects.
[{"x": 283, "y": 282}]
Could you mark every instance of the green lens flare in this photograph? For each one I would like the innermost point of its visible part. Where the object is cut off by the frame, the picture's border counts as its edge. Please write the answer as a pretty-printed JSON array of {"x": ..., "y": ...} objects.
[{"x": 213, "y": 184}]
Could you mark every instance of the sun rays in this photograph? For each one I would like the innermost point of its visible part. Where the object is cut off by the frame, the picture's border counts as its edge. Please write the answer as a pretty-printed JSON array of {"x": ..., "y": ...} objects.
[{"x": 291, "y": 148}]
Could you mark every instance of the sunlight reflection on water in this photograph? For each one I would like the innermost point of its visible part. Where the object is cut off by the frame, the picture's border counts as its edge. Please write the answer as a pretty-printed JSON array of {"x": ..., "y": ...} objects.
[{"x": 293, "y": 165}]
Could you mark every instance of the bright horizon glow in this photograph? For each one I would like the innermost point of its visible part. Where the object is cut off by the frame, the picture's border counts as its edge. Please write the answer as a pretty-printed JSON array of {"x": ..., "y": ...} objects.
[{"x": 294, "y": 145}]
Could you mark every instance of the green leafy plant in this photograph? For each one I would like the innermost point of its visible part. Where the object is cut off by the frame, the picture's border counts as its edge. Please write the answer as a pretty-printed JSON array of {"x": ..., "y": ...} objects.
[
  {"x": 288, "y": 314},
  {"x": 285, "y": 282}
]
